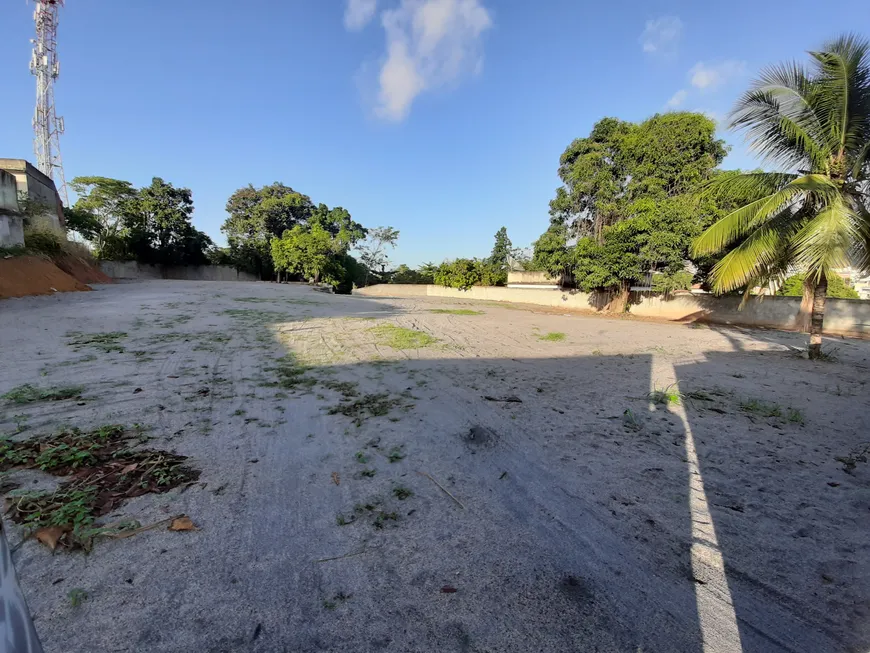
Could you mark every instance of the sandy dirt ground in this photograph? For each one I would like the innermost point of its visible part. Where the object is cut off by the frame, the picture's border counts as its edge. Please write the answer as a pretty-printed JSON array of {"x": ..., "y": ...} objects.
[{"x": 494, "y": 490}]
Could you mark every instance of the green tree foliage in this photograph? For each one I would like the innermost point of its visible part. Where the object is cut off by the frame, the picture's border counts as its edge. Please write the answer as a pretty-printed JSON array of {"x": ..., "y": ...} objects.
[
  {"x": 629, "y": 197},
  {"x": 256, "y": 215},
  {"x": 501, "y": 249},
  {"x": 814, "y": 120},
  {"x": 107, "y": 203},
  {"x": 150, "y": 225},
  {"x": 837, "y": 288},
  {"x": 665, "y": 283},
  {"x": 404, "y": 274},
  {"x": 158, "y": 227},
  {"x": 551, "y": 252},
  {"x": 309, "y": 250},
  {"x": 463, "y": 273}
]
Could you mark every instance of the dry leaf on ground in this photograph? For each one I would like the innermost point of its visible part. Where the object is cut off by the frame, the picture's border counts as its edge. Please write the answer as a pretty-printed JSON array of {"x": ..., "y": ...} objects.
[
  {"x": 182, "y": 523},
  {"x": 50, "y": 536},
  {"x": 336, "y": 478}
]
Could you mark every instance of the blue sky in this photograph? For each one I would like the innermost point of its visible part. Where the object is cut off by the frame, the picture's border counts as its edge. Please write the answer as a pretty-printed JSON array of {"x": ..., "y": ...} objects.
[{"x": 442, "y": 118}]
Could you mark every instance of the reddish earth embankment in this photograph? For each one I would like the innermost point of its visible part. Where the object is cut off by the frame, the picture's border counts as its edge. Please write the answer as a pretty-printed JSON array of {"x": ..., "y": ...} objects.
[
  {"x": 33, "y": 275},
  {"x": 79, "y": 268}
]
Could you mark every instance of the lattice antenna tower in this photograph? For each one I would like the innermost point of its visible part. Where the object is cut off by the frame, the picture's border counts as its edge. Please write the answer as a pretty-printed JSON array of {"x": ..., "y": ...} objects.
[{"x": 47, "y": 126}]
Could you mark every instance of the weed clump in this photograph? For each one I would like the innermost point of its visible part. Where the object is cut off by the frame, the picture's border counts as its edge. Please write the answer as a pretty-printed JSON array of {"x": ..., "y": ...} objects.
[{"x": 26, "y": 394}]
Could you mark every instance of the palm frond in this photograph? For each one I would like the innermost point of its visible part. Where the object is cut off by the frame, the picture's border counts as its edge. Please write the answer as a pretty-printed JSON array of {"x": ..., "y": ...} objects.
[
  {"x": 779, "y": 118},
  {"x": 758, "y": 257},
  {"x": 843, "y": 106},
  {"x": 823, "y": 243},
  {"x": 740, "y": 222}
]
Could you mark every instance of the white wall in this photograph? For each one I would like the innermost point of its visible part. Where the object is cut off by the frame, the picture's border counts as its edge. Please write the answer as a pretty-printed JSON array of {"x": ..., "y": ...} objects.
[{"x": 842, "y": 316}]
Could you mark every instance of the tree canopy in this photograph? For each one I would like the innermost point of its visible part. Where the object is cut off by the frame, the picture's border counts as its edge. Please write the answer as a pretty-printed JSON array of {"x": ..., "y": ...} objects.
[{"x": 149, "y": 225}]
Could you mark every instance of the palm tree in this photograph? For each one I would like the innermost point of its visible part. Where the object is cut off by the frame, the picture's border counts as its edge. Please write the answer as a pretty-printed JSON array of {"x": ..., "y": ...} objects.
[{"x": 814, "y": 122}]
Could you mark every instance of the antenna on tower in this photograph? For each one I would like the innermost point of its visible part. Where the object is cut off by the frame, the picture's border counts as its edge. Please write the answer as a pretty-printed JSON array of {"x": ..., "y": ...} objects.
[{"x": 47, "y": 126}]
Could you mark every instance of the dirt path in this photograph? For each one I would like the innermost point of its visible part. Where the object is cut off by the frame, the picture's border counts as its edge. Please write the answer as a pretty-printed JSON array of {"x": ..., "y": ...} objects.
[{"x": 493, "y": 490}]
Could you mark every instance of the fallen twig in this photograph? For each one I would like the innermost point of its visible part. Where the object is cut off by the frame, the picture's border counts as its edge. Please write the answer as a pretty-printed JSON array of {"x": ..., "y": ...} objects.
[
  {"x": 346, "y": 555},
  {"x": 510, "y": 399},
  {"x": 443, "y": 489}
]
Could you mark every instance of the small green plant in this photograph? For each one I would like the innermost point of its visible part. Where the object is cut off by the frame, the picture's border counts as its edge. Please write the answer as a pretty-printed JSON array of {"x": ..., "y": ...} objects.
[
  {"x": 455, "y": 311},
  {"x": 368, "y": 473},
  {"x": 402, "y": 493},
  {"x": 395, "y": 454},
  {"x": 25, "y": 394},
  {"x": 239, "y": 411},
  {"x": 390, "y": 335},
  {"x": 106, "y": 342},
  {"x": 761, "y": 408},
  {"x": 795, "y": 416},
  {"x": 77, "y": 596},
  {"x": 361, "y": 457},
  {"x": 630, "y": 421},
  {"x": 344, "y": 520},
  {"x": 553, "y": 336},
  {"x": 664, "y": 396}
]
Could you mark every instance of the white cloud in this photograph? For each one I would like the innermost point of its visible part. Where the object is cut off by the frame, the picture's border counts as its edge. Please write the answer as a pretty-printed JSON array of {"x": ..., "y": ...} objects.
[
  {"x": 661, "y": 35},
  {"x": 708, "y": 77},
  {"x": 430, "y": 43},
  {"x": 677, "y": 99},
  {"x": 358, "y": 13}
]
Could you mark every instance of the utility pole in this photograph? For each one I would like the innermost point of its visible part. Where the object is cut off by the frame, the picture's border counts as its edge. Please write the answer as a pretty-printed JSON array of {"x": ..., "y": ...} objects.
[{"x": 44, "y": 65}]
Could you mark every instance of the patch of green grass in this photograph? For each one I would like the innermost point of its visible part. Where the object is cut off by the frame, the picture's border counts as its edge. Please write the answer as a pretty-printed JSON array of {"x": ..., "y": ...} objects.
[
  {"x": 361, "y": 457},
  {"x": 368, "y": 473},
  {"x": 455, "y": 311},
  {"x": 239, "y": 411},
  {"x": 401, "y": 492},
  {"x": 346, "y": 388},
  {"x": 665, "y": 396},
  {"x": 107, "y": 342},
  {"x": 761, "y": 408},
  {"x": 77, "y": 596},
  {"x": 398, "y": 337},
  {"x": 26, "y": 394},
  {"x": 553, "y": 336},
  {"x": 370, "y": 405},
  {"x": 795, "y": 416},
  {"x": 395, "y": 454},
  {"x": 290, "y": 373},
  {"x": 383, "y": 517}
]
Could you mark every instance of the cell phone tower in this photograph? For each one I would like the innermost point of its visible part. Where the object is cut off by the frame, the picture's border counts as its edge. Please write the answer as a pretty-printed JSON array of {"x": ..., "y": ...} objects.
[{"x": 47, "y": 126}]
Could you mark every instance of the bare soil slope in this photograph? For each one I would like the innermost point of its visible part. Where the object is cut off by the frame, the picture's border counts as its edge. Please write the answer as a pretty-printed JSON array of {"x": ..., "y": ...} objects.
[{"x": 21, "y": 276}]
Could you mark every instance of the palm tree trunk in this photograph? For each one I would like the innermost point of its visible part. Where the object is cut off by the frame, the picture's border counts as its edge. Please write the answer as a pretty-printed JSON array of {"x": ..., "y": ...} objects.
[
  {"x": 818, "y": 317},
  {"x": 802, "y": 323}
]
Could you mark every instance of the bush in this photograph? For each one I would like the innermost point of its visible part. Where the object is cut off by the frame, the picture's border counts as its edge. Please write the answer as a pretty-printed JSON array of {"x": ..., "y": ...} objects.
[
  {"x": 44, "y": 242},
  {"x": 667, "y": 284},
  {"x": 837, "y": 288}
]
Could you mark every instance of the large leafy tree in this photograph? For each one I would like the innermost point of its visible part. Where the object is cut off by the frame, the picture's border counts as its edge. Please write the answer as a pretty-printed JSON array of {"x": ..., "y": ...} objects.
[
  {"x": 619, "y": 163},
  {"x": 256, "y": 215},
  {"x": 101, "y": 210},
  {"x": 307, "y": 250},
  {"x": 159, "y": 230},
  {"x": 814, "y": 122}
]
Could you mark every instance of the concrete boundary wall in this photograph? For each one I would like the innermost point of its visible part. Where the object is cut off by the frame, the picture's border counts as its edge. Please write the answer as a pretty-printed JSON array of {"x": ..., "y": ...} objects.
[
  {"x": 134, "y": 270},
  {"x": 842, "y": 316}
]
